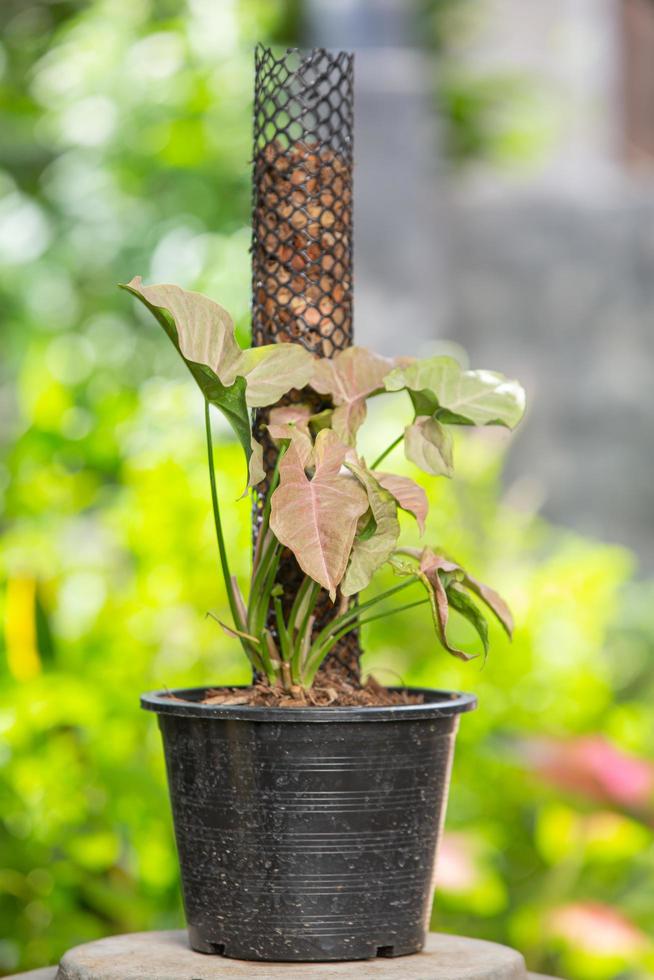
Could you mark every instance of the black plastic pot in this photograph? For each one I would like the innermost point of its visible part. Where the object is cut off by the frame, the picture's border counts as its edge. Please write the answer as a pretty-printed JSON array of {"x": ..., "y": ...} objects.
[{"x": 308, "y": 833}]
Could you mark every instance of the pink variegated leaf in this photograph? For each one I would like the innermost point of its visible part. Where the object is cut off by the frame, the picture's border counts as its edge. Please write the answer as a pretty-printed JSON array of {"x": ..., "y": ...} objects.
[
  {"x": 409, "y": 495},
  {"x": 230, "y": 378},
  {"x": 256, "y": 471},
  {"x": 370, "y": 553},
  {"x": 439, "y": 385},
  {"x": 431, "y": 565},
  {"x": 201, "y": 329},
  {"x": 291, "y": 422},
  {"x": 493, "y": 600},
  {"x": 297, "y": 415},
  {"x": 349, "y": 377},
  {"x": 316, "y": 517},
  {"x": 271, "y": 371}
]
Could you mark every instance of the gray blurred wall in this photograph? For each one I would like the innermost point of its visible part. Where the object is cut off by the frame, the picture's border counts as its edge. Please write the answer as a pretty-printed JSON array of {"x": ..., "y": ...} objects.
[{"x": 546, "y": 274}]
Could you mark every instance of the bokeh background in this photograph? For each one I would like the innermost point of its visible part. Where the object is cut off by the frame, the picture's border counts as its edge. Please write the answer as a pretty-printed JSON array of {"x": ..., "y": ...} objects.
[{"x": 504, "y": 202}]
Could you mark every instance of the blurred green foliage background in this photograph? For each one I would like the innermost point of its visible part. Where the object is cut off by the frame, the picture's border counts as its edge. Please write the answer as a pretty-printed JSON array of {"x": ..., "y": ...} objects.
[{"x": 125, "y": 145}]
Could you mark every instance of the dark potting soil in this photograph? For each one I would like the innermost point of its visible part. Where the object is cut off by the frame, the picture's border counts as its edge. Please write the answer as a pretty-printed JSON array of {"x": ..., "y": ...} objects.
[{"x": 328, "y": 691}]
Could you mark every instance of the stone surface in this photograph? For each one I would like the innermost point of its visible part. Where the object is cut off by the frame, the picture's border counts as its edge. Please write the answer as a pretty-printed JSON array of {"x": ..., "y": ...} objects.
[
  {"x": 47, "y": 973},
  {"x": 50, "y": 973},
  {"x": 166, "y": 956}
]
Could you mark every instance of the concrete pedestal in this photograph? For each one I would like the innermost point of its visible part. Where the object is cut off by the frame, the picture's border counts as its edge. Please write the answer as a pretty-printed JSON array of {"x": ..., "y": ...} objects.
[{"x": 166, "y": 956}]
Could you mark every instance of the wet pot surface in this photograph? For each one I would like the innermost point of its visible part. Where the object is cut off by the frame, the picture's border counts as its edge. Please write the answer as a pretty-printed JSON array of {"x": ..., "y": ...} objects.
[{"x": 308, "y": 834}]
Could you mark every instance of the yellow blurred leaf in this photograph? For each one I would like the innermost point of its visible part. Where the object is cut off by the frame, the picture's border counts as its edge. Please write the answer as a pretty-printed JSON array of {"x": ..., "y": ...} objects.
[{"x": 20, "y": 629}]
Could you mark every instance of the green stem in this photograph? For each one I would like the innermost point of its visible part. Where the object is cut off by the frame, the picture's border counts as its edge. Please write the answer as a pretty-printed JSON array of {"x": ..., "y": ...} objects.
[
  {"x": 224, "y": 563},
  {"x": 342, "y": 625},
  {"x": 310, "y": 606},
  {"x": 303, "y": 607},
  {"x": 266, "y": 554},
  {"x": 392, "y": 612},
  {"x": 389, "y": 449},
  {"x": 262, "y": 594},
  {"x": 271, "y": 671},
  {"x": 281, "y": 630},
  {"x": 274, "y": 480},
  {"x": 314, "y": 662},
  {"x": 299, "y": 603},
  {"x": 356, "y": 610}
]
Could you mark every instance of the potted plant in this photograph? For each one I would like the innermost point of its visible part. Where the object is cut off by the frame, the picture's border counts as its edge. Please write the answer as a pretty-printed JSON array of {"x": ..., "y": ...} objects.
[{"x": 308, "y": 806}]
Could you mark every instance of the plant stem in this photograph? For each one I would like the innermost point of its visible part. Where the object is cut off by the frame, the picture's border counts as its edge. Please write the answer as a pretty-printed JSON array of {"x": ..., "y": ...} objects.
[
  {"x": 342, "y": 625},
  {"x": 260, "y": 591},
  {"x": 302, "y": 605},
  {"x": 356, "y": 610},
  {"x": 392, "y": 612},
  {"x": 274, "y": 480},
  {"x": 281, "y": 630},
  {"x": 301, "y": 620},
  {"x": 389, "y": 449},
  {"x": 318, "y": 657},
  {"x": 224, "y": 563}
]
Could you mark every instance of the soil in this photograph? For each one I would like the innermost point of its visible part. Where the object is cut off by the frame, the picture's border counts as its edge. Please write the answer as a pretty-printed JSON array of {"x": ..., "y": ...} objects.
[{"x": 330, "y": 690}]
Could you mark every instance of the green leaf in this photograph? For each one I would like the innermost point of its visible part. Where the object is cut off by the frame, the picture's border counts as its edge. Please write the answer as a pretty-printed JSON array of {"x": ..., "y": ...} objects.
[
  {"x": 429, "y": 445},
  {"x": 431, "y": 567},
  {"x": 454, "y": 580},
  {"x": 438, "y": 385},
  {"x": 493, "y": 600},
  {"x": 461, "y": 601},
  {"x": 317, "y": 517},
  {"x": 321, "y": 420},
  {"x": 367, "y": 526},
  {"x": 371, "y": 551}
]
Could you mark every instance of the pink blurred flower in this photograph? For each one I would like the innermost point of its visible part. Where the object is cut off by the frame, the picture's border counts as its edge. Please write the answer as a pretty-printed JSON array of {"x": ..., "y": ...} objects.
[
  {"x": 597, "y": 929},
  {"x": 593, "y": 766},
  {"x": 456, "y": 867}
]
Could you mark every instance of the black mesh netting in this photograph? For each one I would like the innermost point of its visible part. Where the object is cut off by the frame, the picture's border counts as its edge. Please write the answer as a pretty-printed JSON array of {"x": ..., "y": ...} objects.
[
  {"x": 302, "y": 232},
  {"x": 302, "y": 199}
]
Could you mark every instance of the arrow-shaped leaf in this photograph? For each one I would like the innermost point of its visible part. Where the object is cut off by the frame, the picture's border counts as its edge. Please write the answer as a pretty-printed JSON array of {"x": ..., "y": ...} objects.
[
  {"x": 230, "y": 378},
  {"x": 292, "y": 422},
  {"x": 203, "y": 334},
  {"x": 439, "y": 385},
  {"x": 349, "y": 377},
  {"x": 272, "y": 370},
  {"x": 316, "y": 517}
]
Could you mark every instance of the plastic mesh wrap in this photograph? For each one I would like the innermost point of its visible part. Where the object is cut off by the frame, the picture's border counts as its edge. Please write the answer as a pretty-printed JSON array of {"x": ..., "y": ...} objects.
[
  {"x": 302, "y": 232},
  {"x": 302, "y": 201}
]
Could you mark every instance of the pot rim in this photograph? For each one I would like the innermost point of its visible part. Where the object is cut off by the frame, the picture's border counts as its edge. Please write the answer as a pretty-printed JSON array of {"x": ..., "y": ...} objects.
[{"x": 438, "y": 704}]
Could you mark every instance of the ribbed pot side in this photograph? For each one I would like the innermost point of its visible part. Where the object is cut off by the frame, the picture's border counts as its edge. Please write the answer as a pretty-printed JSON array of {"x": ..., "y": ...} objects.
[{"x": 308, "y": 834}]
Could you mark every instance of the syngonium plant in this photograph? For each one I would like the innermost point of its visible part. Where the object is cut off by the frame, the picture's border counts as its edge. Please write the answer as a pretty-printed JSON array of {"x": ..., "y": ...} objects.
[{"x": 336, "y": 513}]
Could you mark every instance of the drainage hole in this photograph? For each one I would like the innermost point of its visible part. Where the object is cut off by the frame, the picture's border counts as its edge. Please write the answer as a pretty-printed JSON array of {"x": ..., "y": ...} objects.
[{"x": 385, "y": 950}]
